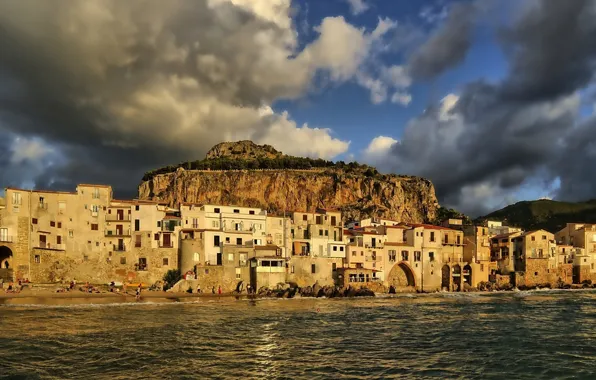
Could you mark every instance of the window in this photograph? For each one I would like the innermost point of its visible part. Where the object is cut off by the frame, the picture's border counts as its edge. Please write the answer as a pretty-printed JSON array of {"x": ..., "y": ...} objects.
[
  {"x": 431, "y": 256},
  {"x": 292, "y": 269},
  {"x": 417, "y": 255},
  {"x": 215, "y": 224},
  {"x": 156, "y": 237},
  {"x": 52, "y": 224},
  {"x": 458, "y": 240},
  {"x": 70, "y": 233},
  {"x": 251, "y": 212},
  {"x": 313, "y": 268},
  {"x": 334, "y": 267},
  {"x": 533, "y": 238},
  {"x": 304, "y": 217},
  {"x": 230, "y": 257},
  {"x": 482, "y": 267},
  {"x": 16, "y": 198},
  {"x": 61, "y": 207},
  {"x": 333, "y": 220},
  {"x": 94, "y": 208},
  {"x": 238, "y": 241},
  {"x": 238, "y": 273},
  {"x": 196, "y": 256},
  {"x": 166, "y": 261},
  {"x": 138, "y": 241},
  {"x": 97, "y": 244},
  {"x": 59, "y": 224},
  {"x": 446, "y": 238},
  {"x": 353, "y": 253},
  {"x": 392, "y": 255},
  {"x": 404, "y": 255},
  {"x": 123, "y": 260},
  {"x": 326, "y": 232},
  {"x": 58, "y": 239},
  {"x": 37, "y": 259},
  {"x": 94, "y": 227},
  {"x": 85, "y": 258},
  {"x": 236, "y": 211},
  {"x": 319, "y": 220},
  {"x": 34, "y": 221},
  {"x": 216, "y": 210},
  {"x": 341, "y": 249},
  {"x": 543, "y": 237},
  {"x": 320, "y": 232},
  {"x": 137, "y": 208},
  {"x": 137, "y": 225},
  {"x": 334, "y": 248},
  {"x": 432, "y": 236},
  {"x": 216, "y": 241},
  {"x": 96, "y": 193},
  {"x": 227, "y": 240}
]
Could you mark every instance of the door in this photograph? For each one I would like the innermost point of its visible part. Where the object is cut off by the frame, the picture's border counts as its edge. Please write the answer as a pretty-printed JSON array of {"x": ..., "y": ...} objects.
[
  {"x": 119, "y": 230},
  {"x": 120, "y": 244},
  {"x": 374, "y": 242},
  {"x": 167, "y": 242},
  {"x": 219, "y": 259},
  {"x": 120, "y": 214},
  {"x": 42, "y": 241}
]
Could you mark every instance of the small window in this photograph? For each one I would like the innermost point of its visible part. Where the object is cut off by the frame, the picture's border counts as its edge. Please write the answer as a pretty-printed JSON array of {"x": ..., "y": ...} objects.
[
  {"x": 34, "y": 221},
  {"x": 227, "y": 240},
  {"x": 59, "y": 224},
  {"x": 97, "y": 244},
  {"x": 251, "y": 212},
  {"x": 533, "y": 238},
  {"x": 431, "y": 256},
  {"x": 122, "y": 260},
  {"x": 313, "y": 268},
  {"x": 341, "y": 249},
  {"x": 292, "y": 269},
  {"x": 52, "y": 224},
  {"x": 535, "y": 273},
  {"x": 230, "y": 257},
  {"x": 320, "y": 232},
  {"x": 196, "y": 256},
  {"x": 543, "y": 237},
  {"x": 137, "y": 208},
  {"x": 333, "y": 267},
  {"x": 166, "y": 261},
  {"x": 334, "y": 248},
  {"x": 37, "y": 259},
  {"x": 216, "y": 210},
  {"x": 432, "y": 236},
  {"x": 326, "y": 232},
  {"x": 70, "y": 233},
  {"x": 238, "y": 241},
  {"x": 85, "y": 258},
  {"x": 94, "y": 227},
  {"x": 236, "y": 211},
  {"x": 159, "y": 224},
  {"x": 304, "y": 217},
  {"x": 156, "y": 237}
]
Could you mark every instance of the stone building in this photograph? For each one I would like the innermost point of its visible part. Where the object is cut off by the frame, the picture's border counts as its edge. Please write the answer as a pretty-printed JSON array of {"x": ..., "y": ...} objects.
[
  {"x": 313, "y": 234},
  {"x": 83, "y": 234},
  {"x": 502, "y": 252}
]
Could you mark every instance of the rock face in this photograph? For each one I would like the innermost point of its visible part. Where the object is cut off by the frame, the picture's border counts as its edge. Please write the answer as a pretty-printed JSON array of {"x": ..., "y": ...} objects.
[
  {"x": 358, "y": 196},
  {"x": 245, "y": 149}
]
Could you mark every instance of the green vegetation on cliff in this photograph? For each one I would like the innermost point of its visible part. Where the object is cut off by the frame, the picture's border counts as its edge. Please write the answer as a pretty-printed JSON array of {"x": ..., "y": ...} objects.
[
  {"x": 283, "y": 162},
  {"x": 545, "y": 214}
]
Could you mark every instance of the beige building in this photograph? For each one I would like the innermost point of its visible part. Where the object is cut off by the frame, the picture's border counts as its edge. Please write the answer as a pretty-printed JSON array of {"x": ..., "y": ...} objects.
[
  {"x": 582, "y": 237},
  {"x": 503, "y": 252},
  {"x": 58, "y": 236},
  {"x": 314, "y": 234}
]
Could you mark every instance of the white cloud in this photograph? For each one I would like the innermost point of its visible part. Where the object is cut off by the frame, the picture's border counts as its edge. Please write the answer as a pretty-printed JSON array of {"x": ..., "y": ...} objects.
[
  {"x": 401, "y": 98},
  {"x": 31, "y": 150},
  {"x": 377, "y": 150},
  {"x": 358, "y": 6},
  {"x": 446, "y": 107}
]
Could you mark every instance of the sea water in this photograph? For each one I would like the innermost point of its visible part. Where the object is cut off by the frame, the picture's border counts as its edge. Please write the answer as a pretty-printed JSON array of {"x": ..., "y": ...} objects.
[{"x": 521, "y": 335}]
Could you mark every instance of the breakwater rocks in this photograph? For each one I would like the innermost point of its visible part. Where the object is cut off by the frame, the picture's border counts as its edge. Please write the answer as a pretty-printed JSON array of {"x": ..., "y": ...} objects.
[{"x": 289, "y": 291}]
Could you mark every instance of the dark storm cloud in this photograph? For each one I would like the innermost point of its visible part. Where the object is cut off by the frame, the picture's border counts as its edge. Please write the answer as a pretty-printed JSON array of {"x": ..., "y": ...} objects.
[
  {"x": 500, "y": 135},
  {"x": 121, "y": 87},
  {"x": 448, "y": 46}
]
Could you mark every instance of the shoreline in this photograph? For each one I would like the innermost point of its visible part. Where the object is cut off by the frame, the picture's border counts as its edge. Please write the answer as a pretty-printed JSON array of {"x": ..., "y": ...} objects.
[{"x": 46, "y": 298}]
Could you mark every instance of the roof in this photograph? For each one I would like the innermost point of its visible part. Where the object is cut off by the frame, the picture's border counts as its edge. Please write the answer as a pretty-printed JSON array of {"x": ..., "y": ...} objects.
[
  {"x": 90, "y": 185},
  {"x": 402, "y": 227},
  {"x": 42, "y": 191},
  {"x": 430, "y": 227}
]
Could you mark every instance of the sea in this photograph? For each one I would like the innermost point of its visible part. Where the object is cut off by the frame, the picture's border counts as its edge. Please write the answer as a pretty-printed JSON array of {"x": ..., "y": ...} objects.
[{"x": 510, "y": 335}]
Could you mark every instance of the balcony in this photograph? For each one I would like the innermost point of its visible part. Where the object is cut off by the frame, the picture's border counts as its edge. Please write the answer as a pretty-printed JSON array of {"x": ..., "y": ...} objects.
[
  {"x": 6, "y": 239},
  {"x": 44, "y": 245},
  {"x": 119, "y": 247},
  {"x": 117, "y": 233},
  {"x": 117, "y": 218},
  {"x": 166, "y": 245}
]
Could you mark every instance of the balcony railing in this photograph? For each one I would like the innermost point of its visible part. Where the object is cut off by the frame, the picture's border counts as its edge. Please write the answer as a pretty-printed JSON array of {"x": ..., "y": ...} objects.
[
  {"x": 119, "y": 247},
  {"x": 117, "y": 218},
  {"x": 166, "y": 245},
  {"x": 5, "y": 239},
  {"x": 43, "y": 245},
  {"x": 117, "y": 232}
]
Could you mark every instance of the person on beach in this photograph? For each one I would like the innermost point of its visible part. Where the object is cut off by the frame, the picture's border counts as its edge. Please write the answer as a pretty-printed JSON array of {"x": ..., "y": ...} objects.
[
  {"x": 199, "y": 289},
  {"x": 213, "y": 290},
  {"x": 219, "y": 290},
  {"x": 9, "y": 289},
  {"x": 139, "y": 292}
]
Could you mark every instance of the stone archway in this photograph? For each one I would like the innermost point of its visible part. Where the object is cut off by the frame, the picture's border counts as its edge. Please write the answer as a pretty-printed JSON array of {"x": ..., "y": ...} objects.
[
  {"x": 401, "y": 277},
  {"x": 6, "y": 272},
  {"x": 457, "y": 278},
  {"x": 468, "y": 274},
  {"x": 446, "y": 278}
]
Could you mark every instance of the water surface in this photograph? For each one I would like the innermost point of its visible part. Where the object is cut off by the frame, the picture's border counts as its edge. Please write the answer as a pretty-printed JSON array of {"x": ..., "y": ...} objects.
[{"x": 523, "y": 335}]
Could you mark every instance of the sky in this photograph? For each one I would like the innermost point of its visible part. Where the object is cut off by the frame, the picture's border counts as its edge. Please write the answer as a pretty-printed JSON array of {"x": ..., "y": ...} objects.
[{"x": 494, "y": 101}]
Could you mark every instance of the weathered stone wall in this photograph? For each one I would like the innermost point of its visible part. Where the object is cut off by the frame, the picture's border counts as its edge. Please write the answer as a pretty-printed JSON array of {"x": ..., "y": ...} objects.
[
  {"x": 300, "y": 270},
  {"x": 503, "y": 280},
  {"x": 538, "y": 273},
  {"x": 583, "y": 273}
]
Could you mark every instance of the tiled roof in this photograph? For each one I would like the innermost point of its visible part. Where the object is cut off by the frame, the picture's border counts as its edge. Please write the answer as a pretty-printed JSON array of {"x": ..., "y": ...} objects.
[{"x": 430, "y": 227}]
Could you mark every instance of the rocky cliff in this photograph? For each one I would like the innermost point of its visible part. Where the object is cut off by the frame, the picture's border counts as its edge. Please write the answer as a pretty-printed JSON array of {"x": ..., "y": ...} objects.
[{"x": 357, "y": 193}]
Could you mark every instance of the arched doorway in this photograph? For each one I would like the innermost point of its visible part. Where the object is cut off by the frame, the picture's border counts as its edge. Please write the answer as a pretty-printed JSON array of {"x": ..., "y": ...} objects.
[
  {"x": 5, "y": 263},
  {"x": 457, "y": 278},
  {"x": 468, "y": 275},
  {"x": 446, "y": 277},
  {"x": 401, "y": 277}
]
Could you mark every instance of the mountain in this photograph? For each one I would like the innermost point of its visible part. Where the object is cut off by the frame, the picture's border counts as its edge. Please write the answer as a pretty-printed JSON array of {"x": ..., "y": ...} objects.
[
  {"x": 246, "y": 174},
  {"x": 545, "y": 214}
]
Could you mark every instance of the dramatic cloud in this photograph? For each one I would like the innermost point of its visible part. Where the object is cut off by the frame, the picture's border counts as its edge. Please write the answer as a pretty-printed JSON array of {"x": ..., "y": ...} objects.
[
  {"x": 448, "y": 46},
  {"x": 357, "y": 6},
  {"x": 481, "y": 146},
  {"x": 119, "y": 87},
  {"x": 376, "y": 152}
]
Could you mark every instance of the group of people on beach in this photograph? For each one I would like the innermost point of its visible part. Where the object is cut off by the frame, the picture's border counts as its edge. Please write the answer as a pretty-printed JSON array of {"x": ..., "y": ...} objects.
[
  {"x": 12, "y": 288},
  {"x": 199, "y": 291}
]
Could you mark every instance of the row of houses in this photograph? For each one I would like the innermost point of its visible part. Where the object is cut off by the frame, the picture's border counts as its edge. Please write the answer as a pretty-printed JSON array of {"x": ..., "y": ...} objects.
[{"x": 87, "y": 235}]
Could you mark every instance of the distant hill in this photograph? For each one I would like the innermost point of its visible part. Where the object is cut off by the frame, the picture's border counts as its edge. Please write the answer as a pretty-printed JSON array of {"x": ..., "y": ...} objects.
[{"x": 544, "y": 214}]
